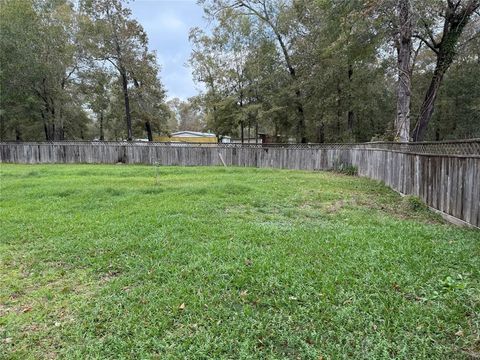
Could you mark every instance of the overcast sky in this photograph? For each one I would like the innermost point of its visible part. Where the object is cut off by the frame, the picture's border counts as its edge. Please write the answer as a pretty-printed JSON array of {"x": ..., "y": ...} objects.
[{"x": 167, "y": 23}]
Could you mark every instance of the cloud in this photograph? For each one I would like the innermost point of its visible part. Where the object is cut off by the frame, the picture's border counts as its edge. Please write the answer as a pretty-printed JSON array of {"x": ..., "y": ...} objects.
[
  {"x": 171, "y": 23},
  {"x": 167, "y": 24}
]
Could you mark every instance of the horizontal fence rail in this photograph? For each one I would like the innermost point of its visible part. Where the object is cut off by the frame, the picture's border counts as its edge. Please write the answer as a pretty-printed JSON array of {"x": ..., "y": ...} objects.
[
  {"x": 452, "y": 147},
  {"x": 446, "y": 175}
]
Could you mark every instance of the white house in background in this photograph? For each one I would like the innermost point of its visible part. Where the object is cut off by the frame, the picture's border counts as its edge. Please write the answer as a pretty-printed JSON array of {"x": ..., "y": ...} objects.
[
  {"x": 226, "y": 139},
  {"x": 188, "y": 136},
  {"x": 193, "y": 134}
]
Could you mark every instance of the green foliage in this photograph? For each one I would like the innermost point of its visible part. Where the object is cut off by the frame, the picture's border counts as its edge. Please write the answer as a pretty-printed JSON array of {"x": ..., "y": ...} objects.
[
  {"x": 60, "y": 69},
  {"x": 414, "y": 203},
  {"x": 349, "y": 170},
  {"x": 342, "y": 167},
  {"x": 344, "y": 65},
  {"x": 321, "y": 71},
  {"x": 457, "y": 114},
  {"x": 96, "y": 262},
  {"x": 187, "y": 115}
]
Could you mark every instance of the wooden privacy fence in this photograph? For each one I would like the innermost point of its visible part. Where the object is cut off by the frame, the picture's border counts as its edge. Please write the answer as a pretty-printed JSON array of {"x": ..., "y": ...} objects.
[{"x": 446, "y": 175}]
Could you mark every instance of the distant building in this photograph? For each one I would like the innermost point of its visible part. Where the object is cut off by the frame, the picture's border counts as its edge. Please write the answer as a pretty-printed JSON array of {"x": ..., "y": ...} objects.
[
  {"x": 225, "y": 139},
  {"x": 188, "y": 136},
  {"x": 194, "y": 134}
]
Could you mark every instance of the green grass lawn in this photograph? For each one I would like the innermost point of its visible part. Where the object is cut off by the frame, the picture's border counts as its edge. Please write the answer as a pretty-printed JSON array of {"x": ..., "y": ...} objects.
[{"x": 107, "y": 262}]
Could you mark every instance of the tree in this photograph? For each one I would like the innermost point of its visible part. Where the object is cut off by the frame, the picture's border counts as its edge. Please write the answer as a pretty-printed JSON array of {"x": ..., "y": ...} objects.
[
  {"x": 38, "y": 71},
  {"x": 404, "y": 51},
  {"x": 149, "y": 95},
  {"x": 112, "y": 36},
  {"x": 58, "y": 58},
  {"x": 19, "y": 69},
  {"x": 96, "y": 83},
  {"x": 323, "y": 71},
  {"x": 270, "y": 13},
  {"x": 207, "y": 70},
  {"x": 220, "y": 60},
  {"x": 456, "y": 15}
]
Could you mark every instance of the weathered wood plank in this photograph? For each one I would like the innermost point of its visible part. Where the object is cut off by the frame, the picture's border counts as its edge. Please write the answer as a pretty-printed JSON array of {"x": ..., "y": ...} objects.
[{"x": 448, "y": 183}]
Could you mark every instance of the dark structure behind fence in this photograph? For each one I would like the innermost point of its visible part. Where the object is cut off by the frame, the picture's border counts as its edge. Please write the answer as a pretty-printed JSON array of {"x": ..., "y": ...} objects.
[{"x": 446, "y": 175}]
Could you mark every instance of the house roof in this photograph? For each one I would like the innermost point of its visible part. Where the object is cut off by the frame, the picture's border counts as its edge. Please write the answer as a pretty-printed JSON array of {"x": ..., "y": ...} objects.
[{"x": 192, "y": 134}]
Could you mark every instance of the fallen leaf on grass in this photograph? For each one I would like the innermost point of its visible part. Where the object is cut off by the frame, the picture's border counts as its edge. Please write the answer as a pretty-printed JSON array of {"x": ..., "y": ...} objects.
[
  {"x": 182, "y": 306},
  {"x": 459, "y": 333},
  {"x": 26, "y": 309}
]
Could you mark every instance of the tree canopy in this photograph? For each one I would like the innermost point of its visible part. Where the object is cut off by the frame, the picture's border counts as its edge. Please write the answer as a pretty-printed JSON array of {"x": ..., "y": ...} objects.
[
  {"x": 67, "y": 69},
  {"x": 336, "y": 71},
  {"x": 293, "y": 70}
]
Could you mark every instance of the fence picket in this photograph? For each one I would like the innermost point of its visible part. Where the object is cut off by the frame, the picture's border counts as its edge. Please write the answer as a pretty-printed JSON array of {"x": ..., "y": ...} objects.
[{"x": 447, "y": 180}]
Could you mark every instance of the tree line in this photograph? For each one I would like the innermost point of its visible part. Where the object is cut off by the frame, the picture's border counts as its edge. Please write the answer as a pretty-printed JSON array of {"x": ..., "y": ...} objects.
[
  {"x": 76, "y": 71},
  {"x": 335, "y": 71},
  {"x": 293, "y": 70}
]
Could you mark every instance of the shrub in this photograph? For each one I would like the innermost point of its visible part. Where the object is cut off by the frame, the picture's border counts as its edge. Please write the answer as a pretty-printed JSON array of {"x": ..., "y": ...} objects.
[
  {"x": 414, "y": 203},
  {"x": 350, "y": 170},
  {"x": 345, "y": 169}
]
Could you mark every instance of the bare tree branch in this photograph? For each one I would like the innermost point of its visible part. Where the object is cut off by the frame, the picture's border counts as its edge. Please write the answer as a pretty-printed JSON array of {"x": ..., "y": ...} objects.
[{"x": 432, "y": 47}]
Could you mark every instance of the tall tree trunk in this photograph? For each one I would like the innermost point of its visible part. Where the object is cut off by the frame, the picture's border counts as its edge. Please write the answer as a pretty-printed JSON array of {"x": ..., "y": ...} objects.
[
  {"x": 298, "y": 93},
  {"x": 242, "y": 125},
  {"x": 339, "y": 109},
  {"x": 48, "y": 123},
  {"x": 51, "y": 127},
  {"x": 404, "y": 51},
  {"x": 45, "y": 127},
  {"x": 48, "y": 128},
  {"x": 241, "y": 132},
  {"x": 456, "y": 17},
  {"x": 214, "y": 115},
  {"x": 2, "y": 127},
  {"x": 148, "y": 127},
  {"x": 301, "y": 118},
  {"x": 45, "y": 130},
  {"x": 350, "y": 120},
  {"x": 351, "y": 113},
  {"x": 127, "y": 104},
  {"x": 426, "y": 111},
  {"x": 321, "y": 133},
  {"x": 61, "y": 132},
  {"x": 61, "y": 129},
  {"x": 61, "y": 125},
  {"x": 101, "y": 126}
]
